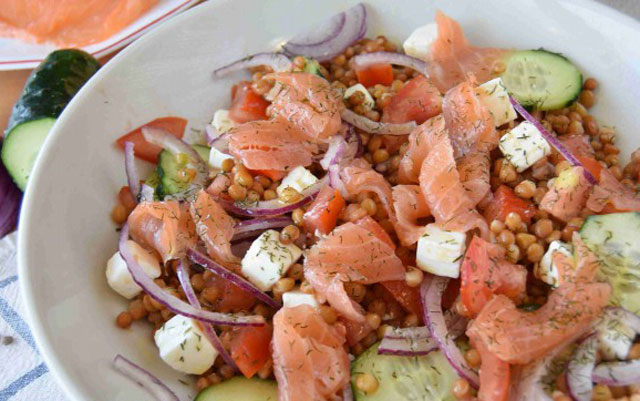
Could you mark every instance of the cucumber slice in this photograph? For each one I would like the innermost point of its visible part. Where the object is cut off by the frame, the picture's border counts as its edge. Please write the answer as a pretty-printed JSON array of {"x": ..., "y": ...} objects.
[
  {"x": 168, "y": 171},
  {"x": 21, "y": 147},
  {"x": 241, "y": 389},
  {"x": 615, "y": 238},
  {"x": 542, "y": 79},
  {"x": 428, "y": 378}
]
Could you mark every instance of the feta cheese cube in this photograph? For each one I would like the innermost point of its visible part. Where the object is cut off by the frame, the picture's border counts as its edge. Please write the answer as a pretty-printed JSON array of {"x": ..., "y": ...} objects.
[
  {"x": 418, "y": 44},
  {"x": 222, "y": 122},
  {"x": 268, "y": 260},
  {"x": 184, "y": 347},
  {"x": 118, "y": 275},
  {"x": 216, "y": 158},
  {"x": 523, "y": 146},
  {"x": 291, "y": 299},
  {"x": 546, "y": 271},
  {"x": 615, "y": 337},
  {"x": 299, "y": 179},
  {"x": 368, "y": 99},
  {"x": 493, "y": 94},
  {"x": 440, "y": 252}
]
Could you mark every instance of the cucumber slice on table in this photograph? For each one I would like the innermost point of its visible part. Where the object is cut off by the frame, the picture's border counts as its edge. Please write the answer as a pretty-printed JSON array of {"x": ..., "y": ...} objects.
[
  {"x": 241, "y": 389},
  {"x": 405, "y": 378},
  {"x": 614, "y": 238},
  {"x": 168, "y": 171},
  {"x": 542, "y": 79},
  {"x": 47, "y": 92}
]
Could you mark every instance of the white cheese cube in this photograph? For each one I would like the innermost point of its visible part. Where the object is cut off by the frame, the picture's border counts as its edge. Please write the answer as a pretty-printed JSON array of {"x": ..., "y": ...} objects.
[
  {"x": 216, "y": 158},
  {"x": 118, "y": 275},
  {"x": 615, "y": 338},
  {"x": 268, "y": 260},
  {"x": 440, "y": 252},
  {"x": 184, "y": 347},
  {"x": 546, "y": 271},
  {"x": 299, "y": 179},
  {"x": 418, "y": 44},
  {"x": 493, "y": 94},
  {"x": 291, "y": 299},
  {"x": 368, "y": 99},
  {"x": 222, "y": 122},
  {"x": 523, "y": 146}
]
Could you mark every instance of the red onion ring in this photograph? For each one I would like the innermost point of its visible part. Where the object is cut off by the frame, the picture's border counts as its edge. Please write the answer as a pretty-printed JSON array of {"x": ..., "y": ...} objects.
[
  {"x": 335, "y": 41},
  {"x": 410, "y": 341},
  {"x": 254, "y": 227},
  {"x": 211, "y": 134},
  {"x": 232, "y": 277},
  {"x": 272, "y": 207},
  {"x": 172, "y": 303},
  {"x": 624, "y": 373},
  {"x": 133, "y": 178},
  {"x": 338, "y": 148},
  {"x": 377, "y": 128},
  {"x": 221, "y": 143},
  {"x": 580, "y": 369},
  {"x": 552, "y": 140},
  {"x": 147, "y": 193},
  {"x": 431, "y": 291},
  {"x": 347, "y": 393},
  {"x": 353, "y": 138},
  {"x": 528, "y": 386},
  {"x": 277, "y": 61},
  {"x": 144, "y": 379},
  {"x": 627, "y": 317},
  {"x": 335, "y": 181},
  {"x": 209, "y": 332},
  {"x": 366, "y": 59},
  {"x": 10, "y": 197}
]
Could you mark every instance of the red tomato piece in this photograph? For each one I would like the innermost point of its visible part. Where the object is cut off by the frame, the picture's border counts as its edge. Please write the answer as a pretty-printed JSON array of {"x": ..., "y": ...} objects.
[
  {"x": 126, "y": 198},
  {"x": 408, "y": 297},
  {"x": 506, "y": 201},
  {"x": 375, "y": 74},
  {"x": 250, "y": 348},
  {"x": 274, "y": 175},
  {"x": 231, "y": 298},
  {"x": 323, "y": 213},
  {"x": 246, "y": 105},
  {"x": 417, "y": 101},
  {"x": 148, "y": 151}
]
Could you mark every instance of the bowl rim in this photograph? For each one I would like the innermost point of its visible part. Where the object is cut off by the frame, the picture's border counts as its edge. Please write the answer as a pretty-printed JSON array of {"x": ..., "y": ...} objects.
[{"x": 33, "y": 312}]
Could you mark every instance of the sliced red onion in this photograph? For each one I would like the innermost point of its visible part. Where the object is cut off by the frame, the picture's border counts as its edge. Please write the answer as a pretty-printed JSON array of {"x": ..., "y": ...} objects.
[
  {"x": 552, "y": 140},
  {"x": 272, "y": 207},
  {"x": 209, "y": 332},
  {"x": 366, "y": 59},
  {"x": 580, "y": 369},
  {"x": 338, "y": 148},
  {"x": 133, "y": 178},
  {"x": 277, "y": 61},
  {"x": 353, "y": 26},
  {"x": 174, "y": 145},
  {"x": 172, "y": 303},
  {"x": 353, "y": 138},
  {"x": 254, "y": 227},
  {"x": 221, "y": 143},
  {"x": 373, "y": 127},
  {"x": 528, "y": 384},
  {"x": 240, "y": 248},
  {"x": 211, "y": 133},
  {"x": 335, "y": 181},
  {"x": 147, "y": 193},
  {"x": 627, "y": 317},
  {"x": 347, "y": 393},
  {"x": 232, "y": 277},
  {"x": 144, "y": 379},
  {"x": 410, "y": 341},
  {"x": 623, "y": 373},
  {"x": 431, "y": 292},
  {"x": 10, "y": 198}
]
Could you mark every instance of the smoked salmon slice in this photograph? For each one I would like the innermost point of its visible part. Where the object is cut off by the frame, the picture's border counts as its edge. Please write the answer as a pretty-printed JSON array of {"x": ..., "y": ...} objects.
[
  {"x": 163, "y": 226},
  {"x": 612, "y": 196},
  {"x": 357, "y": 178},
  {"x": 410, "y": 207},
  {"x": 309, "y": 358},
  {"x": 421, "y": 140}
]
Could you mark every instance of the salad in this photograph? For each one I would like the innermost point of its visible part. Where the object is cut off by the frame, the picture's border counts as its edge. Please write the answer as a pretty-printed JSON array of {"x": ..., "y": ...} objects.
[{"x": 436, "y": 221}]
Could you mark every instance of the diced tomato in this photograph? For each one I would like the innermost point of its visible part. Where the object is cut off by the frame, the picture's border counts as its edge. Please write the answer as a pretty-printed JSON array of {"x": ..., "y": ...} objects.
[
  {"x": 376, "y": 229},
  {"x": 246, "y": 105},
  {"x": 375, "y": 74},
  {"x": 417, "y": 101},
  {"x": 231, "y": 298},
  {"x": 484, "y": 272},
  {"x": 408, "y": 297},
  {"x": 591, "y": 165},
  {"x": 506, "y": 201},
  {"x": 274, "y": 175},
  {"x": 323, "y": 213},
  {"x": 250, "y": 348},
  {"x": 495, "y": 374},
  {"x": 356, "y": 331},
  {"x": 126, "y": 198},
  {"x": 148, "y": 151}
]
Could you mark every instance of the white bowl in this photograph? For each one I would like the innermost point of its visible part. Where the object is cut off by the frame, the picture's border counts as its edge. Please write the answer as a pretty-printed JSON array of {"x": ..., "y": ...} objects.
[{"x": 66, "y": 234}]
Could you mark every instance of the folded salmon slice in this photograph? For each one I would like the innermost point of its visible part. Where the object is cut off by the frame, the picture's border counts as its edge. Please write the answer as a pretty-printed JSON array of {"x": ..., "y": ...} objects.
[
  {"x": 360, "y": 177},
  {"x": 421, "y": 140},
  {"x": 309, "y": 358},
  {"x": 165, "y": 227},
  {"x": 410, "y": 207}
]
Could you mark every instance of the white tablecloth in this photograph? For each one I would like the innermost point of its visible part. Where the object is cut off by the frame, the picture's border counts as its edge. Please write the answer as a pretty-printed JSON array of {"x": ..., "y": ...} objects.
[{"x": 23, "y": 375}]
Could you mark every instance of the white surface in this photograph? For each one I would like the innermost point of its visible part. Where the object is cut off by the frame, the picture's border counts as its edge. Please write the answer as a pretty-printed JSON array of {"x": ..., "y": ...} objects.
[
  {"x": 18, "y": 55},
  {"x": 66, "y": 234}
]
